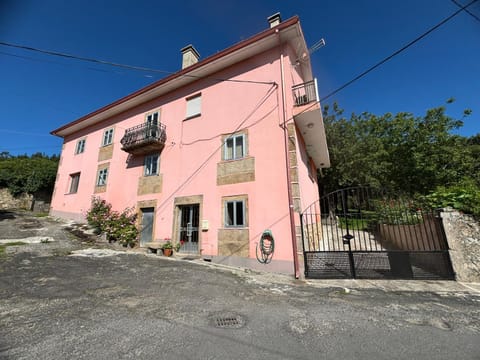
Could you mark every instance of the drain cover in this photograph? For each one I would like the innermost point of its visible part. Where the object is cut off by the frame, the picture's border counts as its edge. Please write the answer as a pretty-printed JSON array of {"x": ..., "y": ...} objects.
[{"x": 227, "y": 321}]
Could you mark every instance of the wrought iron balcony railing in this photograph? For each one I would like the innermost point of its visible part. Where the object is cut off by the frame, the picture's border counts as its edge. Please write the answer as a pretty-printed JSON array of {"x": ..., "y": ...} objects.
[
  {"x": 304, "y": 93},
  {"x": 144, "y": 138}
]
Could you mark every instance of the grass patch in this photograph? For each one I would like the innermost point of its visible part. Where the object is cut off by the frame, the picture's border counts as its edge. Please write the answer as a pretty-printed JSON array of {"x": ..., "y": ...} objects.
[
  {"x": 354, "y": 224},
  {"x": 41, "y": 214},
  {"x": 4, "y": 246}
]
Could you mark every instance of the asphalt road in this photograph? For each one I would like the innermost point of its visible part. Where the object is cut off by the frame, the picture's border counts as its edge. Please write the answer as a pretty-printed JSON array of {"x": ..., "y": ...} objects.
[{"x": 134, "y": 306}]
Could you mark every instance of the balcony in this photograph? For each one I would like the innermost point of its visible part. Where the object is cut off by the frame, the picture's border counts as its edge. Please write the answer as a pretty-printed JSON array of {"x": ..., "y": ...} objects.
[
  {"x": 144, "y": 139},
  {"x": 305, "y": 93},
  {"x": 307, "y": 115}
]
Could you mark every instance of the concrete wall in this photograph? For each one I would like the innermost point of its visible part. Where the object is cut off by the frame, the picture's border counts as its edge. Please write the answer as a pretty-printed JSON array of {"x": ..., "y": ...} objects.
[{"x": 463, "y": 236}]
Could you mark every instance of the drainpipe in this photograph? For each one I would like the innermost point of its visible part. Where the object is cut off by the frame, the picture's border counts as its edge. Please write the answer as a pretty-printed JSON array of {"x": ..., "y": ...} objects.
[{"x": 287, "y": 168}]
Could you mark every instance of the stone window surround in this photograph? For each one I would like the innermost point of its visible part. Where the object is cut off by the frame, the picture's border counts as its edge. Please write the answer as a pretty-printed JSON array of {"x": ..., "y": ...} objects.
[
  {"x": 148, "y": 165},
  {"x": 244, "y": 134},
  {"x": 74, "y": 183},
  {"x": 236, "y": 198},
  {"x": 107, "y": 138},
  {"x": 101, "y": 167},
  {"x": 80, "y": 147}
]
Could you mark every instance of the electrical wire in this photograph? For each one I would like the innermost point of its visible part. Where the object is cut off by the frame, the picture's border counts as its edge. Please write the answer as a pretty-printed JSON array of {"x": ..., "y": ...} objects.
[
  {"x": 214, "y": 153},
  {"x": 466, "y": 10},
  {"x": 125, "y": 66},
  {"x": 67, "y": 64},
  {"x": 398, "y": 51}
]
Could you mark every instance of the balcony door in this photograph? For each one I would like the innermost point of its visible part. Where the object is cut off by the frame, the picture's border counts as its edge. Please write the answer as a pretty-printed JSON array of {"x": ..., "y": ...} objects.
[{"x": 152, "y": 122}]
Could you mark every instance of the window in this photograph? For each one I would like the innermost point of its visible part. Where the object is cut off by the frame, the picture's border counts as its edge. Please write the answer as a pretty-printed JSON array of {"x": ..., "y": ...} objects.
[
  {"x": 235, "y": 213},
  {"x": 107, "y": 137},
  {"x": 151, "y": 165},
  {"x": 80, "y": 146},
  {"x": 235, "y": 147},
  {"x": 102, "y": 177},
  {"x": 194, "y": 106},
  {"x": 74, "y": 181}
]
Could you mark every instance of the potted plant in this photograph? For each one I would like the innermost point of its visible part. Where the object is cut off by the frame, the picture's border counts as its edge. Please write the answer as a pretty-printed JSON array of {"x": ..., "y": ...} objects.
[{"x": 167, "y": 248}]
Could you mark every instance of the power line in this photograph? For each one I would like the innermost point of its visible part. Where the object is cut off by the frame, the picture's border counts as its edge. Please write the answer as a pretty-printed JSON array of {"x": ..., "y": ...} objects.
[
  {"x": 23, "y": 133},
  {"x": 63, "y": 64},
  {"x": 398, "y": 51},
  {"x": 466, "y": 10},
  {"x": 123, "y": 66}
]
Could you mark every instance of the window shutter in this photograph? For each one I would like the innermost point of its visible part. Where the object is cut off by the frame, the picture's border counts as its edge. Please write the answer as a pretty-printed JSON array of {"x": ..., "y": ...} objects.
[{"x": 194, "y": 106}]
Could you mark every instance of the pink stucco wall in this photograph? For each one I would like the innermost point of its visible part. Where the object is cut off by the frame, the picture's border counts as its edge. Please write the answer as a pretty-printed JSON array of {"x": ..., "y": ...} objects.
[{"x": 189, "y": 160}]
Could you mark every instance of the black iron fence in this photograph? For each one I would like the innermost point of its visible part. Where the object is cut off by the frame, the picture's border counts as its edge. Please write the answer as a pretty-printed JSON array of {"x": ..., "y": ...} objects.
[
  {"x": 362, "y": 232},
  {"x": 143, "y": 134}
]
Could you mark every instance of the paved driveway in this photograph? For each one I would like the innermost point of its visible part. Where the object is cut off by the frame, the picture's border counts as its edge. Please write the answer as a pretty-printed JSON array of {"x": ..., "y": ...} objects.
[{"x": 103, "y": 304}]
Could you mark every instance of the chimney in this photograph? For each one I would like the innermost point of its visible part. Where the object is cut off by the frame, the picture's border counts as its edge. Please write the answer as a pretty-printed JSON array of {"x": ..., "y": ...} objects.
[
  {"x": 274, "y": 20},
  {"x": 190, "y": 56}
]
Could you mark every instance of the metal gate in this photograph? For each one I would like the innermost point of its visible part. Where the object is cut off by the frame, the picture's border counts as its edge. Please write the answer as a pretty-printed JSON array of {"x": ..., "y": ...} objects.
[
  {"x": 365, "y": 233},
  {"x": 189, "y": 221}
]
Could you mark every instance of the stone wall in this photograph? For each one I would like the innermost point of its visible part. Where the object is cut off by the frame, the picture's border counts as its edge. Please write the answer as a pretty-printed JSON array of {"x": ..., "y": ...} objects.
[
  {"x": 7, "y": 201},
  {"x": 463, "y": 236}
]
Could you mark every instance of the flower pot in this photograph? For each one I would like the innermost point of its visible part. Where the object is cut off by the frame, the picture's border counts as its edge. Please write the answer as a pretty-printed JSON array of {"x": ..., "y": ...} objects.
[{"x": 167, "y": 252}]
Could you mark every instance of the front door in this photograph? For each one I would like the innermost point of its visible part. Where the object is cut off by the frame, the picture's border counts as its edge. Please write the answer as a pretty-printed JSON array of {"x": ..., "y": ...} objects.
[
  {"x": 146, "y": 232},
  {"x": 189, "y": 219}
]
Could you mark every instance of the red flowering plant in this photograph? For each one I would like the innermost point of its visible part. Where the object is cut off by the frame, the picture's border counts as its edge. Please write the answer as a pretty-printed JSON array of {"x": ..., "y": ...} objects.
[
  {"x": 118, "y": 226},
  {"x": 98, "y": 214}
]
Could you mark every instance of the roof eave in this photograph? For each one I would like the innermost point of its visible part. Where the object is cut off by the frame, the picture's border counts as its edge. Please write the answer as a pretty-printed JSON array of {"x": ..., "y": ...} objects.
[{"x": 188, "y": 73}]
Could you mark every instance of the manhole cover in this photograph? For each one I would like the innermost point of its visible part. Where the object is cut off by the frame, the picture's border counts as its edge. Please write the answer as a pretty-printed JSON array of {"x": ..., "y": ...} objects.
[{"x": 227, "y": 321}]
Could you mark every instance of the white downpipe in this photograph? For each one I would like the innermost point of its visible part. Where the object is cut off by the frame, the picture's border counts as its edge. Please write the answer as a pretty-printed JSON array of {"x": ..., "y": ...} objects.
[{"x": 316, "y": 89}]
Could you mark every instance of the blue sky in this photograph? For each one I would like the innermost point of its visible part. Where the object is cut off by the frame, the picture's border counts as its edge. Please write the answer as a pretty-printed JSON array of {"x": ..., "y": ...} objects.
[{"x": 39, "y": 93}]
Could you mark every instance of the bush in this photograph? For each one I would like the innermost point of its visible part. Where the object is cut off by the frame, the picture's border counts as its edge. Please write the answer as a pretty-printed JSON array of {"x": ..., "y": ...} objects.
[
  {"x": 118, "y": 226},
  {"x": 397, "y": 212},
  {"x": 98, "y": 214},
  {"x": 464, "y": 197}
]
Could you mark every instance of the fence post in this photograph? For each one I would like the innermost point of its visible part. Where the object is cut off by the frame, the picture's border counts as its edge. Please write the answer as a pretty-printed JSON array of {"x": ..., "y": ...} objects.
[{"x": 348, "y": 237}]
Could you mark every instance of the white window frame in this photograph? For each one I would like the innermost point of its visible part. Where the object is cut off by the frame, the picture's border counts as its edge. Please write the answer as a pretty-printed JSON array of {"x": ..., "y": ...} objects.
[
  {"x": 102, "y": 177},
  {"x": 151, "y": 165},
  {"x": 107, "y": 137},
  {"x": 80, "y": 148},
  {"x": 150, "y": 118},
  {"x": 74, "y": 183},
  {"x": 233, "y": 222},
  {"x": 152, "y": 123},
  {"x": 234, "y": 139},
  {"x": 194, "y": 106}
]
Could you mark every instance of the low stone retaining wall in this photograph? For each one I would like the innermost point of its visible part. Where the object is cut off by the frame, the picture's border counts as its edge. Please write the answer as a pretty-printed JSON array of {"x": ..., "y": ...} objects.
[
  {"x": 24, "y": 202},
  {"x": 463, "y": 236},
  {"x": 7, "y": 201}
]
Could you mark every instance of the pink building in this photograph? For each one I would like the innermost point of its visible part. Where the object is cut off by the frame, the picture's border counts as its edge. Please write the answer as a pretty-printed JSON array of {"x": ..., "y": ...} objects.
[{"x": 212, "y": 155}]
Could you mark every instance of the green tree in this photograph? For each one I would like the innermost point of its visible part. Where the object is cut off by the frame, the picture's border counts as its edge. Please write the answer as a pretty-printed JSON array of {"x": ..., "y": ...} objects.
[
  {"x": 32, "y": 175},
  {"x": 402, "y": 152}
]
